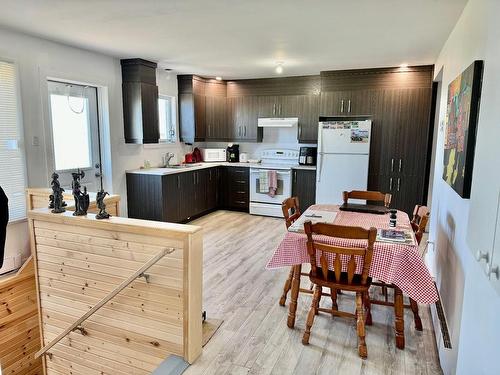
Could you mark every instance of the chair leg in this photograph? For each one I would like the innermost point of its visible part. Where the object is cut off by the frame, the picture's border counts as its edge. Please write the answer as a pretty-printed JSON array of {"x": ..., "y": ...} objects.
[
  {"x": 333, "y": 294},
  {"x": 368, "y": 309},
  {"x": 384, "y": 293},
  {"x": 319, "y": 299},
  {"x": 310, "y": 316},
  {"x": 286, "y": 287},
  {"x": 362, "y": 350},
  {"x": 416, "y": 317}
]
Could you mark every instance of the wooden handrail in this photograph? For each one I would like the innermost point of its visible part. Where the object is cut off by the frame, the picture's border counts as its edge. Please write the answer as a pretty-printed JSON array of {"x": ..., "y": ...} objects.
[{"x": 101, "y": 303}]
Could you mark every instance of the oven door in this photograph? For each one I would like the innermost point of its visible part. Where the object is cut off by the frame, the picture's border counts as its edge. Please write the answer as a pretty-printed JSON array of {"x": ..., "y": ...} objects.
[{"x": 284, "y": 187}]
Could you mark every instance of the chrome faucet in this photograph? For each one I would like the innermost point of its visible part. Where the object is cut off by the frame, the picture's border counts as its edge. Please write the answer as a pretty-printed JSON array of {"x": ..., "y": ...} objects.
[{"x": 168, "y": 156}]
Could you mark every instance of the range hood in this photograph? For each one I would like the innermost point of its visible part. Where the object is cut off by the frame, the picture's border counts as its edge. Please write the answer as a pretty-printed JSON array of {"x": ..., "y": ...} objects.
[{"x": 277, "y": 122}]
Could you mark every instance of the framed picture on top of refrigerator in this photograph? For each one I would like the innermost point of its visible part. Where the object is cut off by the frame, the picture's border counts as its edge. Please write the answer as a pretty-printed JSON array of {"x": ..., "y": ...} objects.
[{"x": 464, "y": 94}]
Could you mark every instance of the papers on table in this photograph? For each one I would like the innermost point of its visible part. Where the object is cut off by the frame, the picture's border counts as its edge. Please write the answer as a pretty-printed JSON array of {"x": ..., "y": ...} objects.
[
  {"x": 395, "y": 236},
  {"x": 315, "y": 216}
]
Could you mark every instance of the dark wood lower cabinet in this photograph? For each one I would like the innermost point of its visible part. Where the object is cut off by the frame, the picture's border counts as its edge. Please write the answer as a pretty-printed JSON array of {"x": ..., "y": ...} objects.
[
  {"x": 304, "y": 187},
  {"x": 235, "y": 188},
  {"x": 182, "y": 196}
]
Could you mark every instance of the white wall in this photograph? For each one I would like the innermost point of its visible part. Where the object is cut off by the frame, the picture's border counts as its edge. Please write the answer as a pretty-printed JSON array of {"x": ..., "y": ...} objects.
[
  {"x": 471, "y": 305},
  {"x": 38, "y": 59}
]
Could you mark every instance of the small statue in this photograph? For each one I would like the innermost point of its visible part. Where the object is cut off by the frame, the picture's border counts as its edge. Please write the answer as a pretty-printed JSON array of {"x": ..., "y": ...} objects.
[
  {"x": 56, "y": 201},
  {"x": 101, "y": 205},
  {"x": 82, "y": 200}
]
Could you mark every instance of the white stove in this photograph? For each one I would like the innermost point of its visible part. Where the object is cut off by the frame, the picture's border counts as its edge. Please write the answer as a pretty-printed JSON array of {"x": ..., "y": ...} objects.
[{"x": 281, "y": 161}]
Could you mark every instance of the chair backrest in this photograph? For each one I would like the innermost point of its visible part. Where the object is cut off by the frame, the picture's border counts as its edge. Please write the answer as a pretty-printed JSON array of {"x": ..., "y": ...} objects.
[
  {"x": 291, "y": 210},
  {"x": 372, "y": 196},
  {"x": 421, "y": 215},
  {"x": 328, "y": 251}
]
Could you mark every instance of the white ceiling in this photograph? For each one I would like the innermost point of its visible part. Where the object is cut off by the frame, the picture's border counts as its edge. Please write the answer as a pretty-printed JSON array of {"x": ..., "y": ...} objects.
[{"x": 245, "y": 38}]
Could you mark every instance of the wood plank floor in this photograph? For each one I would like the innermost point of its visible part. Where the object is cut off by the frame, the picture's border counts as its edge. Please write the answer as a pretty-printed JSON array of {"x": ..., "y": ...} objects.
[{"x": 254, "y": 338}]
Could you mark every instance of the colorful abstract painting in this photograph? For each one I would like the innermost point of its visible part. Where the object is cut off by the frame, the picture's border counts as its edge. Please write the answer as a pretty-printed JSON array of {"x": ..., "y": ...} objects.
[{"x": 460, "y": 137}]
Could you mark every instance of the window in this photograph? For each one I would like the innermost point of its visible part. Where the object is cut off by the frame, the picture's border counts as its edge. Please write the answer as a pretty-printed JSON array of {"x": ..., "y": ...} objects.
[
  {"x": 12, "y": 163},
  {"x": 166, "y": 117},
  {"x": 71, "y": 134}
]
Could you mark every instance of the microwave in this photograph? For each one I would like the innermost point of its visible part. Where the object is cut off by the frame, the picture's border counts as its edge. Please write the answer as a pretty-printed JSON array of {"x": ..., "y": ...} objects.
[{"x": 213, "y": 154}]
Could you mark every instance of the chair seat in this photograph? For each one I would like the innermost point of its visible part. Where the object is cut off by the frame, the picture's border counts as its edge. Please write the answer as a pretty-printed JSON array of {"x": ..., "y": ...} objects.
[{"x": 342, "y": 284}]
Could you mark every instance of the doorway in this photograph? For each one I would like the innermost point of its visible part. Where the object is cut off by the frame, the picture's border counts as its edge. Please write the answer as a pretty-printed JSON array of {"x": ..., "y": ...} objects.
[{"x": 75, "y": 137}]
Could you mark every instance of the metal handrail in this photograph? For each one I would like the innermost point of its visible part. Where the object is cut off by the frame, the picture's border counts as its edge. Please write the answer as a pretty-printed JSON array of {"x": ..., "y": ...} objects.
[{"x": 101, "y": 303}]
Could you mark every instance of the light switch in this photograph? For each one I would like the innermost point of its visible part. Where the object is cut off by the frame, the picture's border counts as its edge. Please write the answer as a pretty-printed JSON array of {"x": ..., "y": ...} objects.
[{"x": 35, "y": 141}]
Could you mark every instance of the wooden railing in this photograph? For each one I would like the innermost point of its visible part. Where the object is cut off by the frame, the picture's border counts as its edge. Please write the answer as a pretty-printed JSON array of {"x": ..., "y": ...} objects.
[{"x": 101, "y": 303}]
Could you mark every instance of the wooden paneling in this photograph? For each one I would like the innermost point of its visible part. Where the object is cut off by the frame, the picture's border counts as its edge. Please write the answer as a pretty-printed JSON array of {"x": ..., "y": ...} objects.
[
  {"x": 19, "y": 325},
  {"x": 80, "y": 260}
]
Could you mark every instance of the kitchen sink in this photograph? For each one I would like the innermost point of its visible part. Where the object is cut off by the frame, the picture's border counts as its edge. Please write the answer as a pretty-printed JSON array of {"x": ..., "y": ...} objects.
[{"x": 182, "y": 166}]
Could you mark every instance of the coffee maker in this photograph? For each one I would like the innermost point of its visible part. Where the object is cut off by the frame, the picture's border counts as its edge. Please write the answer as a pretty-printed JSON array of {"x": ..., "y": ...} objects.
[
  {"x": 307, "y": 155},
  {"x": 233, "y": 153}
]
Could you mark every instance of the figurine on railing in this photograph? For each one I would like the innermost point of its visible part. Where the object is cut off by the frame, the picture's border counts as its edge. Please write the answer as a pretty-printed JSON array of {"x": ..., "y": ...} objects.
[
  {"x": 101, "y": 194},
  {"x": 56, "y": 201},
  {"x": 82, "y": 199}
]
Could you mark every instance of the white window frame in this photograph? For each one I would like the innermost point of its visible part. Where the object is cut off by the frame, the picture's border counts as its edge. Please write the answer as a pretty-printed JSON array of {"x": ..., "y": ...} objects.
[
  {"x": 173, "y": 119},
  {"x": 20, "y": 141}
]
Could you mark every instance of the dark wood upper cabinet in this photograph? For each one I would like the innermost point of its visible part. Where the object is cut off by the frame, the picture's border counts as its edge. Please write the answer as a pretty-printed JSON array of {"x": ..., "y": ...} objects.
[
  {"x": 242, "y": 116},
  {"x": 140, "y": 101},
  {"x": 191, "y": 108},
  {"x": 308, "y": 113}
]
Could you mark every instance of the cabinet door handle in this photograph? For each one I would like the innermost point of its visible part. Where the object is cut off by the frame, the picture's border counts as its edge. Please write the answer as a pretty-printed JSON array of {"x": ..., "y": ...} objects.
[
  {"x": 295, "y": 177},
  {"x": 399, "y": 183},
  {"x": 245, "y": 131},
  {"x": 349, "y": 106},
  {"x": 392, "y": 165},
  {"x": 281, "y": 107},
  {"x": 390, "y": 184},
  {"x": 342, "y": 106},
  {"x": 300, "y": 131},
  {"x": 274, "y": 108},
  {"x": 400, "y": 164}
]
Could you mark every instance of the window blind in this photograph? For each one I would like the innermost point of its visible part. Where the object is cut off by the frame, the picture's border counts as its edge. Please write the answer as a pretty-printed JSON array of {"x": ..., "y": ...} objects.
[{"x": 12, "y": 163}]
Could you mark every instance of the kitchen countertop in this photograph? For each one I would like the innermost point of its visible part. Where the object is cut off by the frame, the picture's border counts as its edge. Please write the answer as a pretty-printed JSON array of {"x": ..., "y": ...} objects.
[{"x": 198, "y": 166}]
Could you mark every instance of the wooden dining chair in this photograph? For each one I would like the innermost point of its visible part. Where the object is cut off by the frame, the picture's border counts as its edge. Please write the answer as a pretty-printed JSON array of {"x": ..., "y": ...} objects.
[
  {"x": 369, "y": 196},
  {"x": 326, "y": 271},
  {"x": 421, "y": 215},
  {"x": 291, "y": 212}
]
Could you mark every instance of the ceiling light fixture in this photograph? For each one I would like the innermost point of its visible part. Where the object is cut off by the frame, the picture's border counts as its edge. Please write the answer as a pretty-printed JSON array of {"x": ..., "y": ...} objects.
[
  {"x": 218, "y": 78},
  {"x": 279, "y": 67}
]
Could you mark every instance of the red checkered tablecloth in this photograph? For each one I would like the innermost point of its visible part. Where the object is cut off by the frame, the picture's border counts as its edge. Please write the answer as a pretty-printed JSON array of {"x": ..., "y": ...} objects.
[{"x": 392, "y": 263}]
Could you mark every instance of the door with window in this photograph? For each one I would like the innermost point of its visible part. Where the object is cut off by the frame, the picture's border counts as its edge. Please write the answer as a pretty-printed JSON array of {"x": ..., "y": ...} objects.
[{"x": 74, "y": 128}]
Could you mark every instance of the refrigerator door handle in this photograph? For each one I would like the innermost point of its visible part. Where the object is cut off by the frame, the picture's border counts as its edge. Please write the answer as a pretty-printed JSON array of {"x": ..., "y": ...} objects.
[
  {"x": 342, "y": 106},
  {"x": 320, "y": 166}
]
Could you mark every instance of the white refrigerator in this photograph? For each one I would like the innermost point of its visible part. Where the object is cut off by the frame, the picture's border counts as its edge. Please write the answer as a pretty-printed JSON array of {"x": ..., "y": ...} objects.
[{"x": 343, "y": 157}]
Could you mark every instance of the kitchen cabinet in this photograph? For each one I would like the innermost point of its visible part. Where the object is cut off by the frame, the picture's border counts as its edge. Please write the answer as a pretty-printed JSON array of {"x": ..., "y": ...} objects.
[
  {"x": 176, "y": 197},
  {"x": 400, "y": 145},
  {"x": 346, "y": 103},
  {"x": 140, "y": 101},
  {"x": 242, "y": 115},
  {"x": 304, "y": 187},
  {"x": 235, "y": 188},
  {"x": 192, "y": 118},
  {"x": 215, "y": 119},
  {"x": 278, "y": 106},
  {"x": 308, "y": 114}
]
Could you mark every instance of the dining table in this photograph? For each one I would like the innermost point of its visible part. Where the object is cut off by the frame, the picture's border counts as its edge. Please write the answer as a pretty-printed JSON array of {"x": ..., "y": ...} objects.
[{"x": 395, "y": 263}]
